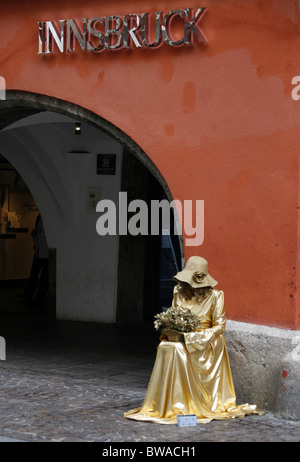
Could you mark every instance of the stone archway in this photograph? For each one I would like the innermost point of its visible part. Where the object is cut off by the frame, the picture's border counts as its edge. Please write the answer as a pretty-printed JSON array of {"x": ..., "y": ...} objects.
[{"x": 19, "y": 104}]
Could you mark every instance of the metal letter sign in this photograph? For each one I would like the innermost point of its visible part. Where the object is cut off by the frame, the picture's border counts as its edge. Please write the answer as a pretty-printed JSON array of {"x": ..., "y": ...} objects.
[{"x": 116, "y": 32}]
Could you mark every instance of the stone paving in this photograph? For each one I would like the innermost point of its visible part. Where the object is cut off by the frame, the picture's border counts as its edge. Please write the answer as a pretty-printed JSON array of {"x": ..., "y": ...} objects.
[{"x": 71, "y": 382}]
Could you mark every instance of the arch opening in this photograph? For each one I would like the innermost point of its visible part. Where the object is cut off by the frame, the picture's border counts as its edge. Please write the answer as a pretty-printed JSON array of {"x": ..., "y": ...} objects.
[{"x": 123, "y": 273}]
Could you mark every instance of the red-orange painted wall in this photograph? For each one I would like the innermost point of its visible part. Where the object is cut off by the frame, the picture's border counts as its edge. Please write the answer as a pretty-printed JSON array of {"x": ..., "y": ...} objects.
[{"x": 218, "y": 120}]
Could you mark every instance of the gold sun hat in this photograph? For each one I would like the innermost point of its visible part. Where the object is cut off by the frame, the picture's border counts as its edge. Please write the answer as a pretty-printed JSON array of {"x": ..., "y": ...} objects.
[{"x": 196, "y": 274}]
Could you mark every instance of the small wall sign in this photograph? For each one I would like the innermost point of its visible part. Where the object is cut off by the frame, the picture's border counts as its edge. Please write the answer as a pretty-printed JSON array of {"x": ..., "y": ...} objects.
[{"x": 106, "y": 164}]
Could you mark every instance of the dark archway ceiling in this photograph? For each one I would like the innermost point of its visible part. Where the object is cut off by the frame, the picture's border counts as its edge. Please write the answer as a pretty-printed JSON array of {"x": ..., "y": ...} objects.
[{"x": 10, "y": 115}]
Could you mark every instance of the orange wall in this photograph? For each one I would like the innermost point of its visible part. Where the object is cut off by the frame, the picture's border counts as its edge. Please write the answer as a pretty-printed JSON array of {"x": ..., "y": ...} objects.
[{"x": 218, "y": 120}]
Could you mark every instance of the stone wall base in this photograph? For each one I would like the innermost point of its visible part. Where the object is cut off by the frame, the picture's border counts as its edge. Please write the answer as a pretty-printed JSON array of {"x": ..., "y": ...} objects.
[{"x": 265, "y": 364}]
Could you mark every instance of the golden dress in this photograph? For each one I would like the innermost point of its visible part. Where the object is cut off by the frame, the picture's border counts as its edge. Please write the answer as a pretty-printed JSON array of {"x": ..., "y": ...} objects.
[{"x": 194, "y": 376}]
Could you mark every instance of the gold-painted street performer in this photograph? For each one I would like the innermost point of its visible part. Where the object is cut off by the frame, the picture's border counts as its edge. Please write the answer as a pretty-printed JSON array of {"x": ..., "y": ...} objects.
[{"x": 191, "y": 374}]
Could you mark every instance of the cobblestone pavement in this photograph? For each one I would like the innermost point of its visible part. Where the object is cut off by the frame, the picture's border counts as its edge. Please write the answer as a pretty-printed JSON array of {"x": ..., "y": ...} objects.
[{"x": 71, "y": 382}]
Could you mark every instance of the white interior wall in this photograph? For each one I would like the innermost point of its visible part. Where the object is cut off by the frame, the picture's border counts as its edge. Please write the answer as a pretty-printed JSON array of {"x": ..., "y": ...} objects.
[{"x": 38, "y": 147}]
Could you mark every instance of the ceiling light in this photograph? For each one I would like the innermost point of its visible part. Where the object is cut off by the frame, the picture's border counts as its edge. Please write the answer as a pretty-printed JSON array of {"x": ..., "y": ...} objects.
[{"x": 77, "y": 128}]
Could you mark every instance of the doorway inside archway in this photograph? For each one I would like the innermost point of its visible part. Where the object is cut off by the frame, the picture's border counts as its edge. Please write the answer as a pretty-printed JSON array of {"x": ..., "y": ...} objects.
[
  {"x": 97, "y": 278},
  {"x": 23, "y": 274}
]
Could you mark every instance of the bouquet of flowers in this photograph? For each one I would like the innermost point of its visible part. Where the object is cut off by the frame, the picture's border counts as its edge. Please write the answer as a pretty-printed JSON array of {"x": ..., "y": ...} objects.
[{"x": 175, "y": 321}]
